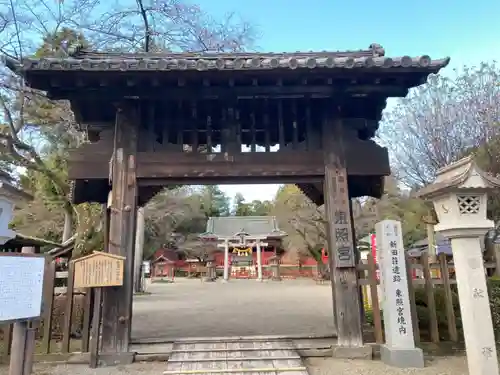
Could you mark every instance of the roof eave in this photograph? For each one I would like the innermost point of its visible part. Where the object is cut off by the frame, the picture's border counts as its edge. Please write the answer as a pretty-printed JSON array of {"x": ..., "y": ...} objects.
[{"x": 256, "y": 62}]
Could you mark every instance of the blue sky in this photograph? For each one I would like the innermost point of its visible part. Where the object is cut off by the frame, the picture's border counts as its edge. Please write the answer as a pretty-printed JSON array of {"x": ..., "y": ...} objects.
[{"x": 467, "y": 31}]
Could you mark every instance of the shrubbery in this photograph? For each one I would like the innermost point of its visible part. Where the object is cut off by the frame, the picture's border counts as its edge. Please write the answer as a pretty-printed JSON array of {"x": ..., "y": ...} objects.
[
  {"x": 494, "y": 291},
  {"x": 440, "y": 302}
]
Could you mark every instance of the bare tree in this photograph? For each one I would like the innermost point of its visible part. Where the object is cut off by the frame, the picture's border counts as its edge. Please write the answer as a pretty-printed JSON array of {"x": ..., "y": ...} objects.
[
  {"x": 149, "y": 25},
  {"x": 193, "y": 246},
  {"x": 30, "y": 122},
  {"x": 305, "y": 222},
  {"x": 442, "y": 121},
  {"x": 173, "y": 215}
]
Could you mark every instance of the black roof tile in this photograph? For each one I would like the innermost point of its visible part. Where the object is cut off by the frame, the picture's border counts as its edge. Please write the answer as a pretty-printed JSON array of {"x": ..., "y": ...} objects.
[{"x": 98, "y": 61}]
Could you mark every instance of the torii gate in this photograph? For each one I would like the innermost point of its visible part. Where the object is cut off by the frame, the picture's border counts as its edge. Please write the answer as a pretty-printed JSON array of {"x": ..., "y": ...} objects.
[{"x": 241, "y": 237}]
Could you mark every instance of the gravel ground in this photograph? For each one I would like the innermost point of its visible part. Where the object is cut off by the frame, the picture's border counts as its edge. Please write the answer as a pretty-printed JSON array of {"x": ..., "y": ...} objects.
[
  {"x": 316, "y": 366},
  {"x": 439, "y": 366},
  {"x": 191, "y": 308}
]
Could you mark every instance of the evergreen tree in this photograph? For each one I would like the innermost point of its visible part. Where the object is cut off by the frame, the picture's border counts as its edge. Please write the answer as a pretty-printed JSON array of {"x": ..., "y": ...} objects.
[{"x": 214, "y": 201}]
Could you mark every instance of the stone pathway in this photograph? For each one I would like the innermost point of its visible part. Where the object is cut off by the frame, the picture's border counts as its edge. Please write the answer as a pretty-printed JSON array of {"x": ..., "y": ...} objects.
[{"x": 241, "y": 357}]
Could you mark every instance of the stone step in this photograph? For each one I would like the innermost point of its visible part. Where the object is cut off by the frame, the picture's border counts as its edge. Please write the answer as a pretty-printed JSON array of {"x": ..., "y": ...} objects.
[
  {"x": 229, "y": 350},
  {"x": 271, "y": 371},
  {"x": 246, "y": 371},
  {"x": 205, "y": 350},
  {"x": 172, "y": 359},
  {"x": 243, "y": 357}
]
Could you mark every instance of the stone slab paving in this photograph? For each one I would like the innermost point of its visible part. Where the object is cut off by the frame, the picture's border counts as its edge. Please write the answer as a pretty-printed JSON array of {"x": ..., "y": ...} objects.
[{"x": 191, "y": 308}]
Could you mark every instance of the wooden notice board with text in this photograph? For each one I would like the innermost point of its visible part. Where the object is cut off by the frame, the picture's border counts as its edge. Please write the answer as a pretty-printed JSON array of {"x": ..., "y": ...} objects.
[{"x": 98, "y": 270}]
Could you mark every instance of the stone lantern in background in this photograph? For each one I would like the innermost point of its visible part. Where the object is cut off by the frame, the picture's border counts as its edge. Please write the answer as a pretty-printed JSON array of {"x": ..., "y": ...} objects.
[
  {"x": 459, "y": 196},
  {"x": 8, "y": 194}
]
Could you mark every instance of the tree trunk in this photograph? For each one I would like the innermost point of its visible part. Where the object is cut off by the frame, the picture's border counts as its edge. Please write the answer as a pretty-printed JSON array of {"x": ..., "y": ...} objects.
[{"x": 68, "y": 226}]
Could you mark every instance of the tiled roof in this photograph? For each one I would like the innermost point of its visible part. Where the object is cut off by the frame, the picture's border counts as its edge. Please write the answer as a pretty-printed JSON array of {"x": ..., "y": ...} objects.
[
  {"x": 374, "y": 57},
  {"x": 254, "y": 226},
  {"x": 456, "y": 174}
]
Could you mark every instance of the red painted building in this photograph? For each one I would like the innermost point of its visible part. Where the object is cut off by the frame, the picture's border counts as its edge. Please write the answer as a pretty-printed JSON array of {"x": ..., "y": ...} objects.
[{"x": 165, "y": 262}]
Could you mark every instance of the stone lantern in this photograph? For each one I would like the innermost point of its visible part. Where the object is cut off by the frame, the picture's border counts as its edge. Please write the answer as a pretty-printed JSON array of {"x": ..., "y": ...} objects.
[
  {"x": 459, "y": 195},
  {"x": 274, "y": 262},
  {"x": 8, "y": 194}
]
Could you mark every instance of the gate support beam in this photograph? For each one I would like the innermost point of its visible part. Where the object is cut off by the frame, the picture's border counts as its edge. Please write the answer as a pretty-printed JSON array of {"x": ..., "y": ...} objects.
[
  {"x": 342, "y": 257},
  {"x": 117, "y": 301}
]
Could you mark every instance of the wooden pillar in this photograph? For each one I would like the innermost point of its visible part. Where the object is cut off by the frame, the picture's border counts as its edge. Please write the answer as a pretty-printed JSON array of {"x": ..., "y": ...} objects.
[
  {"x": 106, "y": 214},
  {"x": 357, "y": 257},
  {"x": 117, "y": 301},
  {"x": 139, "y": 251},
  {"x": 341, "y": 238}
]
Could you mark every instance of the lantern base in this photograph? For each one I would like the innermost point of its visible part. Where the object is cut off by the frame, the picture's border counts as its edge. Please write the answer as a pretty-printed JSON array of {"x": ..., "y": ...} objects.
[{"x": 402, "y": 358}]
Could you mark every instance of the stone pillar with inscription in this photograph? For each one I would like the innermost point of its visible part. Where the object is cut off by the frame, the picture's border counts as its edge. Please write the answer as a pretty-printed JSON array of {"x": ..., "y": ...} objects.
[
  {"x": 399, "y": 349},
  {"x": 459, "y": 196}
]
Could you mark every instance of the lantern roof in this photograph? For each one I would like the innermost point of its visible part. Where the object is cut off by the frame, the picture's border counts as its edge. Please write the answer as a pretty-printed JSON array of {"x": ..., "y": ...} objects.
[{"x": 464, "y": 174}]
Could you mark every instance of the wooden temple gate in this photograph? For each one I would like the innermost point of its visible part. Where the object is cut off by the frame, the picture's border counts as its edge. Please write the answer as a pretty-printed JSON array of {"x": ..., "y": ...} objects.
[{"x": 182, "y": 118}]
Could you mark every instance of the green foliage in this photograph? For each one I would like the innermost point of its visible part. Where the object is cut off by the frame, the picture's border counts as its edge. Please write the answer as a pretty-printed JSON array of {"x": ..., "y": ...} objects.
[
  {"x": 494, "y": 293},
  {"x": 254, "y": 208},
  {"x": 440, "y": 301},
  {"x": 52, "y": 45},
  {"x": 214, "y": 201},
  {"x": 89, "y": 230},
  {"x": 370, "y": 319}
]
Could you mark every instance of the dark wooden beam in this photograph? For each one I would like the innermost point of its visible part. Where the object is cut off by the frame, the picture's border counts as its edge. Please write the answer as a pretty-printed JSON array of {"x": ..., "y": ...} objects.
[
  {"x": 228, "y": 180},
  {"x": 368, "y": 160},
  {"x": 240, "y": 92}
]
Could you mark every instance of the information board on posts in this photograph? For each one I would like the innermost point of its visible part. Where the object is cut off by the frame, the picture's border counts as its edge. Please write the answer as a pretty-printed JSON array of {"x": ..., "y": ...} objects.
[{"x": 21, "y": 286}]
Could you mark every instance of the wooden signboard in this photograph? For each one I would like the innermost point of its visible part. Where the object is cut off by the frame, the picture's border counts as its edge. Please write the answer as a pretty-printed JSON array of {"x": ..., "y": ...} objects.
[{"x": 98, "y": 270}]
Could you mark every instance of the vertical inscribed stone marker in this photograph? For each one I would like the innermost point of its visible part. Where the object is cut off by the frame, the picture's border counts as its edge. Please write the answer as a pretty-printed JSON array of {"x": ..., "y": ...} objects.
[{"x": 399, "y": 350}]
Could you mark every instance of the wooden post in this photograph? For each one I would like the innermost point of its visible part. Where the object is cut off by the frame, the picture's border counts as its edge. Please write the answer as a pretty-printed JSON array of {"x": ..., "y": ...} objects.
[
  {"x": 106, "y": 218},
  {"x": 344, "y": 275},
  {"x": 139, "y": 251},
  {"x": 450, "y": 312},
  {"x": 431, "y": 301},
  {"x": 96, "y": 329},
  {"x": 117, "y": 301},
  {"x": 23, "y": 342},
  {"x": 357, "y": 257},
  {"x": 18, "y": 348}
]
